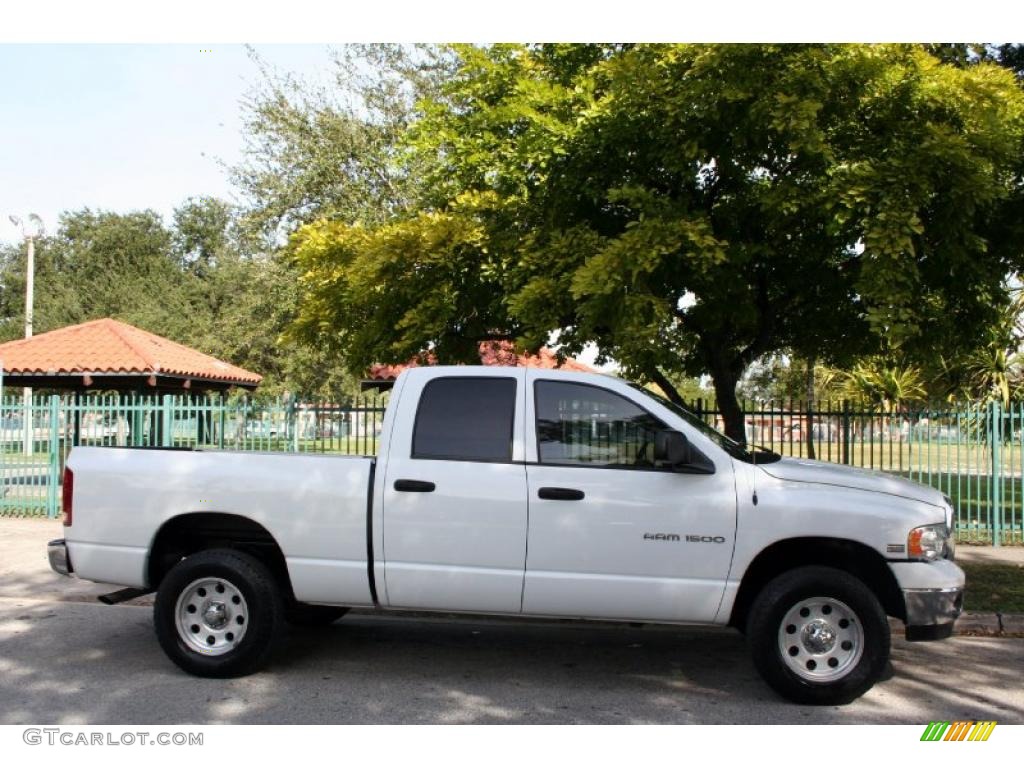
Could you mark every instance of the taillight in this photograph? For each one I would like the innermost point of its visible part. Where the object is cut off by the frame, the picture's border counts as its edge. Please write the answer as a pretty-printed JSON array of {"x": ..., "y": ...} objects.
[{"x": 68, "y": 494}]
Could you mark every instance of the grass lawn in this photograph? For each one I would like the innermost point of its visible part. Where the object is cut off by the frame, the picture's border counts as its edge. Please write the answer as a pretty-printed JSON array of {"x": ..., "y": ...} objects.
[{"x": 994, "y": 587}]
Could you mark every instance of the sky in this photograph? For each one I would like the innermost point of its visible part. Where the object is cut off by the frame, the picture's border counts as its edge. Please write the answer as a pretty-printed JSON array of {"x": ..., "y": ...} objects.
[{"x": 126, "y": 127}]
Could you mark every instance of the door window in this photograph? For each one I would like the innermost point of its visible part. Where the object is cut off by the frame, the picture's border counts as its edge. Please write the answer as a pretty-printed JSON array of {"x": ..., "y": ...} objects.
[
  {"x": 465, "y": 419},
  {"x": 579, "y": 424}
]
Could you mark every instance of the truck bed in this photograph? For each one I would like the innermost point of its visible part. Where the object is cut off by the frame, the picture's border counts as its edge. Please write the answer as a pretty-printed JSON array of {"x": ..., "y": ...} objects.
[{"x": 314, "y": 506}]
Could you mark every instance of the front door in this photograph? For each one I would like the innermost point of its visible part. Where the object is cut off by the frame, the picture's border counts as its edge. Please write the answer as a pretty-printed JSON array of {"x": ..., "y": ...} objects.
[
  {"x": 454, "y": 507},
  {"x": 610, "y": 534}
]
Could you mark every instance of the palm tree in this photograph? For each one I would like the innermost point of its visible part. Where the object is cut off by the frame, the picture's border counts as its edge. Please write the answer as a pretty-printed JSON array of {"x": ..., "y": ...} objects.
[
  {"x": 994, "y": 373},
  {"x": 884, "y": 383}
]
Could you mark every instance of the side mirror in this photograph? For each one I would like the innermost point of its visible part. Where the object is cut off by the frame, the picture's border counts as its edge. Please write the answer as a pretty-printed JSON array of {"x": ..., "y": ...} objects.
[{"x": 671, "y": 447}]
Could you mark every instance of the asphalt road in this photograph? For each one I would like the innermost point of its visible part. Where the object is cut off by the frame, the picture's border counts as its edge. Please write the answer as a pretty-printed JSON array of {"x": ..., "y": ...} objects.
[{"x": 65, "y": 659}]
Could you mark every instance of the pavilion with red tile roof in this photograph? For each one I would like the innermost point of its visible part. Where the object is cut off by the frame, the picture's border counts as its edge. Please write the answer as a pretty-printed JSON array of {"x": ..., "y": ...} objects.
[
  {"x": 501, "y": 353},
  {"x": 110, "y": 355}
]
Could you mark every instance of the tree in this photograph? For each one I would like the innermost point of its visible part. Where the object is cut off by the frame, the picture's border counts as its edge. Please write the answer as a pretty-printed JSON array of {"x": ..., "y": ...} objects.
[
  {"x": 101, "y": 264},
  {"x": 784, "y": 377},
  {"x": 994, "y": 371},
  {"x": 202, "y": 233},
  {"x": 688, "y": 209},
  {"x": 190, "y": 282},
  {"x": 312, "y": 151},
  {"x": 1009, "y": 55},
  {"x": 242, "y": 303},
  {"x": 886, "y": 383}
]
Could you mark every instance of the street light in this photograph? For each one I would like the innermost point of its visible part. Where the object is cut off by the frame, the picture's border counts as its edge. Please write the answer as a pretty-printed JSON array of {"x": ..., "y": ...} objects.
[{"x": 30, "y": 231}]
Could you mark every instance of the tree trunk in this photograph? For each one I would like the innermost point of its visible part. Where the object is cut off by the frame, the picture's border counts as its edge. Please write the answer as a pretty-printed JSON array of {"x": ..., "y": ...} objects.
[
  {"x": 729, "y": 406},
  {"x": 666, "y": 386}
]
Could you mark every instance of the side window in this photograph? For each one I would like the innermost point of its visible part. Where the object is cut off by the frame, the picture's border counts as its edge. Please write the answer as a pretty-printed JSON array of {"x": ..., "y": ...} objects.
[
  {"x": 465, "y": 418},
  {"x": 590, "y": 426}
]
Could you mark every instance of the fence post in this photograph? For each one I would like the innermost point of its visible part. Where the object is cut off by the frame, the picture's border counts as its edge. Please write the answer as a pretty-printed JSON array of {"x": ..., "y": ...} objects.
[
  {"x": 168, "y": 421},
  {"x": 293, "y": 421},
  {"x": 51, "y": 486},
  {"x": 996, "y": 475},
  {"x": 223, "y": 421},
  {"x": 846, "y": 431}
]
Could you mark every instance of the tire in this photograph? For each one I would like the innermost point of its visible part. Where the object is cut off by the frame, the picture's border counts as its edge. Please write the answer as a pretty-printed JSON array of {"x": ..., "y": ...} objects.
[
  {"x": 219, "y": 613},
  {"x": 305, "y": 615},
  {"x": 818, "y": 636}
]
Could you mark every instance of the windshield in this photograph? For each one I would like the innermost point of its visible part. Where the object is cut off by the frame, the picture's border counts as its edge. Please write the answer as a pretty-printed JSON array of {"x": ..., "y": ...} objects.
[{"x": 749, "y": 454}]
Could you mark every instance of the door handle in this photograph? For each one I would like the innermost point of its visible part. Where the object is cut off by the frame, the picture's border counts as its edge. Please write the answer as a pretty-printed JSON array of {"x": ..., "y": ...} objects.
[
  {"x": 560, "y": 494},
  {"x": 414, "y": 486}
]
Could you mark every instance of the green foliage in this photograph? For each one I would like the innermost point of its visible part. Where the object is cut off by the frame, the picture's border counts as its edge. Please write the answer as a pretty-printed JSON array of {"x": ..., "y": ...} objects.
[
  {"x": 373, "y": 295},
  {"x": 98, "y": 264},
  {"x": 878, "y": 381},
  {"x": 992, "y": 371},
  {"x": 315, "y": 152},
  {"x": 201, "y": 233},
  {"x": 190, "y": 282},
  {"x": 689, "y": 209},
  {"x": 780, "y": 378}
]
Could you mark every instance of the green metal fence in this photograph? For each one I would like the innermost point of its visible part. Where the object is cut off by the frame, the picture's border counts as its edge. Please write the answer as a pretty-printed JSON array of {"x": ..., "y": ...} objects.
[
  {"x": 35, "y": 438},
  {"x": 974, "y": 453}
]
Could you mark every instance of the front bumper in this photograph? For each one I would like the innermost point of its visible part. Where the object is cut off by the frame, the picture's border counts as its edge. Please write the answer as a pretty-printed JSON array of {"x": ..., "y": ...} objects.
[
  {"x": 931, "y": 613},
  {"x": 933, "y": 594},
  {"x": 60, "y": 561}
]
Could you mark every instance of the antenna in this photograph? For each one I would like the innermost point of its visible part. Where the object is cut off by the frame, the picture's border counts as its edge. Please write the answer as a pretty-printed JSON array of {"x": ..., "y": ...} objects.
[{"x": 753, "y": 482}]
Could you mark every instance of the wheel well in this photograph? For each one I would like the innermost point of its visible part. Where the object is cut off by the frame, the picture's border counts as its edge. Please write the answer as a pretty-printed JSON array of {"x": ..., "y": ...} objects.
[
  {"x": 850, "y": 556},
  {"x": 187, "y": 534}
]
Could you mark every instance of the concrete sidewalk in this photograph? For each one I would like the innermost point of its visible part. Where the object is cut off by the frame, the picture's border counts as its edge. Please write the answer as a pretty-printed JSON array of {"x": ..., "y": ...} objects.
[{"x": 972, "y": 553}]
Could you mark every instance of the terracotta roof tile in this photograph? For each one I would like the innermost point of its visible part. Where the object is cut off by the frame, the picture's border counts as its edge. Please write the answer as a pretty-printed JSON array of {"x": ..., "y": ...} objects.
[
  {"x": 108, "y": 346},
  {"x": 492, "y": 353}
]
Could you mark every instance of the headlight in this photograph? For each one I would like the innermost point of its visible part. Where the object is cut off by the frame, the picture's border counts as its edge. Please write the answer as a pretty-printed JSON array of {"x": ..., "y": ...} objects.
[
  {"x": 951, "y": 528},
  {"x": 929, "y": 542}
]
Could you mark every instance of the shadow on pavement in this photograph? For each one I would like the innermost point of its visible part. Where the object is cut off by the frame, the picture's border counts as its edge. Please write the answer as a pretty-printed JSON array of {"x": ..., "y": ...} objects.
[{"x": 82, "y": 663}]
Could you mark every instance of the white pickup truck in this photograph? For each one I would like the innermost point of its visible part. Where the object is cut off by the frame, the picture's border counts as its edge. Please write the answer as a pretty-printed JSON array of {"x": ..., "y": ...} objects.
[{"x": 530, "y": 493}]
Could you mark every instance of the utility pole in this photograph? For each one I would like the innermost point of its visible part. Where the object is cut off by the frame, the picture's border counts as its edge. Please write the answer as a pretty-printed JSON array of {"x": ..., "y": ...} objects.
[{"x": 30, "y": 233}]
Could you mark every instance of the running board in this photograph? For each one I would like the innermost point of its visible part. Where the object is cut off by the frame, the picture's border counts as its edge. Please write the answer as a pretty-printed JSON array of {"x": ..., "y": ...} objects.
[{"x": 128, "y": 593}]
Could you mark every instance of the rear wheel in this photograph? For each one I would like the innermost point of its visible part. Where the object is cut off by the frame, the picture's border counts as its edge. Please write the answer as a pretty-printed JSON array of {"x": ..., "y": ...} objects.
[
  {"x": 219, "y": 613},
  {"x": 818, "y": 635}
]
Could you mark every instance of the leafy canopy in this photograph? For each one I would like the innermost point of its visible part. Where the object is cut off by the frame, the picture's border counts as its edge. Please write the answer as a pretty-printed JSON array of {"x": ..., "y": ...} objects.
[{"x": 687, "y": 208}]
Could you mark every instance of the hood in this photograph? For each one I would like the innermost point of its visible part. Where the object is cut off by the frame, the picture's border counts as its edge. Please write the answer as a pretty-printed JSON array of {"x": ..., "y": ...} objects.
[{"x": 807, "y": 471}]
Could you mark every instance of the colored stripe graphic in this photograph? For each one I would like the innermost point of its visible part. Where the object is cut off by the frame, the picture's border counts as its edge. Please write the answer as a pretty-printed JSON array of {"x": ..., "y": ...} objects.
[
  {"x": 982, "y": 730},
  {"x": 958, "y": 730}
]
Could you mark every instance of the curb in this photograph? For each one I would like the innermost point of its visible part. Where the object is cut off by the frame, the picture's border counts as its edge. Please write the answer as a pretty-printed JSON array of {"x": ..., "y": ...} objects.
[{"x": 980, "y": 625}]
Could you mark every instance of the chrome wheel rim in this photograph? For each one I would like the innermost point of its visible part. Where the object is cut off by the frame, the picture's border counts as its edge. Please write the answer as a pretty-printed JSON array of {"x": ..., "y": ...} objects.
[
  {"x": 821, "y": 639},
  {"x": 211, "y": 616}
]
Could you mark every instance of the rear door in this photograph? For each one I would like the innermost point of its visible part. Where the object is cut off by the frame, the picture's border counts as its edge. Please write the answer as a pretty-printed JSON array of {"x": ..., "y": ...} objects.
[{"x": 454, "y": 496}]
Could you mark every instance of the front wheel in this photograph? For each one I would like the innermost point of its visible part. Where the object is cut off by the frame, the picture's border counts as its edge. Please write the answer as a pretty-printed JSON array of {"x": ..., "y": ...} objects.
[
  {"x": 818, "y": 635},
  {"x": 219, "y": 613}
]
